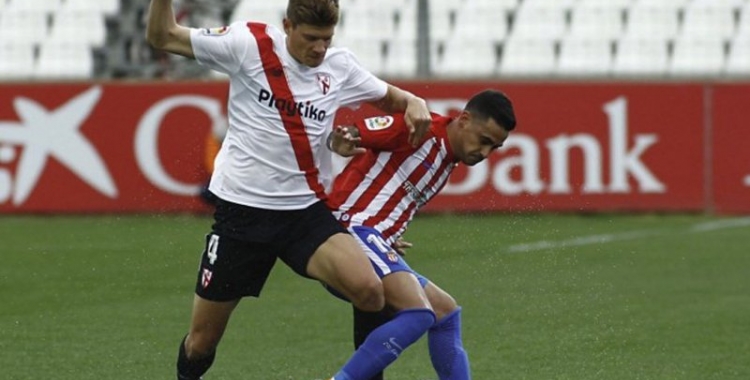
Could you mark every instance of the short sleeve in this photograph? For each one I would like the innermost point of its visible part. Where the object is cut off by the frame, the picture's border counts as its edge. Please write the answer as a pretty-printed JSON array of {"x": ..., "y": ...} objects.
[
  {"x": 221, "y": 49},
  {"x": 360, "y": 85},
  {"x": 383, "y": 132}
]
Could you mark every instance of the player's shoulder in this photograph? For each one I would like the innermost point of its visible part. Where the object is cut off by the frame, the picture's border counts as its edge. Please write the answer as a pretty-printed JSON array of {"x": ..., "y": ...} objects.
[{"x": 340, "y": 58}]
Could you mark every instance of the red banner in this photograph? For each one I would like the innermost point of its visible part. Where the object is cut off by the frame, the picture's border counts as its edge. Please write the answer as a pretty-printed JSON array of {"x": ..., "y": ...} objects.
[
  {"x": 729, "y": 159},
  {"x": 118, "y": 147}
]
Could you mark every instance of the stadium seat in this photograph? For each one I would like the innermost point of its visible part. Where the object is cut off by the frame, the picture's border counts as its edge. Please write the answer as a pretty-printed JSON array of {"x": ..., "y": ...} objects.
[
  {"x": 609, "y": 4},
  {"x": 697, "y": 57},
  {"x": 44, "y": 6},
  {"x": 105, "y": 7},
  {"x": 17, "y": 60},
  {"x": 401, "y": 58},
  {"x": 743, "y": 23},
  {"x": 23, "y": 26},
  {"x": 75, "y": 25},
  {"x": 540, "y": 20},
  {"x": 498, "y": 5},
  {"x": 738, "y": 62},
  {"x": 481, "y": 23},
  {"x": 361, "y": 21},
  {"x": 442, "y": 19},
  {"x": 64, "y": 60},
  {"x": 708, "y": 20},
  {"x": 467, "y": 58},
  {"x": 270, "y": 12},
  {"x": 528, "y": 57},
  {"x": 369, "y": 50},
  {"x": 652, "y": 21},
  {"x": 641, "y": 56},
  {"x": 594, "y": 22},
  {"x": 584, "y": 57}
]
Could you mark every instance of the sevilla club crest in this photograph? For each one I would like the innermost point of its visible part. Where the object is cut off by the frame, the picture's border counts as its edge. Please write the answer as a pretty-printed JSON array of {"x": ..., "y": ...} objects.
[{"x": 324, "y": 82}]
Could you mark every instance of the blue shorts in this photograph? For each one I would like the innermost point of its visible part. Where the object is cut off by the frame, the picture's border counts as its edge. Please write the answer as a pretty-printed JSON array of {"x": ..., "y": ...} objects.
[{"x": 385, "y": 260}]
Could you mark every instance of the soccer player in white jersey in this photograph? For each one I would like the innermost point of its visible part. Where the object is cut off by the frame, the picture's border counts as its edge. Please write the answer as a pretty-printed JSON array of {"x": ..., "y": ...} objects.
[
  {"x": 285, "y": 88},
  {"x": 376, "y": 196}
]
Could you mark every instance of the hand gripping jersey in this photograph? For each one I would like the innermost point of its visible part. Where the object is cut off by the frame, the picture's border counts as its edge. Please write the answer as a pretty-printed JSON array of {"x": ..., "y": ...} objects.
[
  {"x": 384, "y": 187},
  {"x": 279, "y": 112}
]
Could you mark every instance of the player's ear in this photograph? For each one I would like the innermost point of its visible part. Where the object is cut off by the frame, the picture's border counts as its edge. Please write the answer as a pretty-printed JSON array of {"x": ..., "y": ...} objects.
[
  {"x": 287, "y": 25},
  {"x": 464, "y": 118}
]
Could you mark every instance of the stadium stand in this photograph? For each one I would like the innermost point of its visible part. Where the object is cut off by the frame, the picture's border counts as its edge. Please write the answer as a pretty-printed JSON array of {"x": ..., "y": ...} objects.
[{"x": 69, "y": 39}]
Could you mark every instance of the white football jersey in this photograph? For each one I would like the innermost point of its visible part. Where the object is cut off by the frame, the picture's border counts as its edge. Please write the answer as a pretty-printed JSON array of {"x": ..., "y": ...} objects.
[{"x": 280, "y": 113}]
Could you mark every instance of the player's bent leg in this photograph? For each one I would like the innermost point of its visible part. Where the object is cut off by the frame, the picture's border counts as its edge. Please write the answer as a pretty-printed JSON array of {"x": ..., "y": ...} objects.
[
  {"x": 198, "y": 348},
  {"x": 444, "y": 338},
  {"x": 385, "y": 344},
  {"x": 340, "y": 263},
  {"x": 442, "y": 302},
  {"x": 364, "y": 323}
]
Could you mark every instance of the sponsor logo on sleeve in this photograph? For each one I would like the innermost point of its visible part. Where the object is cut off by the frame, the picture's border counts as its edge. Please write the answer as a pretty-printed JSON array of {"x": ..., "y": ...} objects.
[
  {"x": 216, "y": 31},
  {"x": 378, "y": 122}
]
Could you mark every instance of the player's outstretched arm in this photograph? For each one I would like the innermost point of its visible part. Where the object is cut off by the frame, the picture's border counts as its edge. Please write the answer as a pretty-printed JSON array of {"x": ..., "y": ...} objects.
[
  {"x": 163, "y": 32},
  {"x": 416, "y": 114}
]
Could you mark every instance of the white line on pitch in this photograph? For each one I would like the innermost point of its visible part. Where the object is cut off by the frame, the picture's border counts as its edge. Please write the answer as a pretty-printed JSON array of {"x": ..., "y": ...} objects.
[
  {"x": 633, "y": 235},
  {"x": 721, "y": 224}
]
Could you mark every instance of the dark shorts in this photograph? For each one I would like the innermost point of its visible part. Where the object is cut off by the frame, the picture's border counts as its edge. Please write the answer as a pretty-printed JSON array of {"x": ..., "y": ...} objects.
[{"x": 245, "y": 242}]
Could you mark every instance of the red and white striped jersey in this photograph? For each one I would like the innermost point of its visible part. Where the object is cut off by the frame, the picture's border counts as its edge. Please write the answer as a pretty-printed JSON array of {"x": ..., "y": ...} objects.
[
  {"x": 384, "y": 187},
  {"x": 279, "y": 111}
]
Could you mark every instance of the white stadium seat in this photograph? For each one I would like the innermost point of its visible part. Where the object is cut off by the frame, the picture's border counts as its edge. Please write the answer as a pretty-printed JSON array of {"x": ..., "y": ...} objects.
[
  {"x": 596, "y": 22},
  {"x": 106, "y": 7},
  {"x": 584, "y": 57},
  {"x": 84, "y": 26},
  {"x": 640, "y": 56},
  {"x": 65, "y": 60},
  {"x": 44, "y": 6},
  {"x": 23, "y": 26},
  {"x": 697, "y": 57},
  {"x": 738, "y": 62},
  {"x": 401, "y": 58},
  {"x": 652, "y": 21},
  {"x": 540, "y": 21},
  {"x": 17, "y": 60},
  {"x": 481, "y": 23},
  {"x": 467, "y": 58},
  {"x": 708, "y": 20},
  {"x": 528, "y": 57}
]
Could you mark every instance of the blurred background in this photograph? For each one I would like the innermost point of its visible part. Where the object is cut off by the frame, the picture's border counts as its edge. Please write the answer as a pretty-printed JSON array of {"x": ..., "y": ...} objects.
[
  {"x": 607, "y": 239},
  {"x": 53, "y": 39}
]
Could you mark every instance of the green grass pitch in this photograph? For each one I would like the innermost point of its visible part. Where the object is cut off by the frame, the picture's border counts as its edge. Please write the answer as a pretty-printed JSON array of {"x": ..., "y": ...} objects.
[{"x": 545, "y": 297}]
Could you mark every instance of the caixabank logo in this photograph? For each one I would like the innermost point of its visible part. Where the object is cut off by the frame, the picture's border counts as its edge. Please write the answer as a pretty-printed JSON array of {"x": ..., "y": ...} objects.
[{"x": 42, "y": 134}]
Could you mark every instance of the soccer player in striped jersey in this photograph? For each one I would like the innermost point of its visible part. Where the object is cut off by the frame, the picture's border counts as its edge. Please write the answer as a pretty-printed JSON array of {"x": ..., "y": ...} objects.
[
  {"x": 285, "y": 87},
  {"x": 377, "y": 195}
]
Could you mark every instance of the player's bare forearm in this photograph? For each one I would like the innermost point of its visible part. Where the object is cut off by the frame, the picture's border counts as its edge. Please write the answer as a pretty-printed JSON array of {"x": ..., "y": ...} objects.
[
  {"x": 416, "y": 114},
  {"x": 163, "y": 32}
]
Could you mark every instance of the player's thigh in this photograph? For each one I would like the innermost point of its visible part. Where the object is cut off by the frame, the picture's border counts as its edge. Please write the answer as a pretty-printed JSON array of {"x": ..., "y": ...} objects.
[
  {"x": 340, "y": 263},
  {"x": 442, "y": 302},
  {"x": 403, "y": 291}
]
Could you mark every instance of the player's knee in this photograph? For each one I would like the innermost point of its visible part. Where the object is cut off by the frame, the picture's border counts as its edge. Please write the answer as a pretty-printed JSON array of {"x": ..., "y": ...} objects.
[
  {"x": 369, "y": 296},
  {"x": 444, "y": 307},
  {"x": 198, "y": 345}
]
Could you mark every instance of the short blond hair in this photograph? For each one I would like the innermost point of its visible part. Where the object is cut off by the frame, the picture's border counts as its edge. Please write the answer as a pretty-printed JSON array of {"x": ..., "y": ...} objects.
[{"x": 313, "y": 12}]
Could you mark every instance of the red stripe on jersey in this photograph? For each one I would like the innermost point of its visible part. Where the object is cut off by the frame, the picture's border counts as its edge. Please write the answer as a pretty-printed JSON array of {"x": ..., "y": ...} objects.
[
  {"x": 293, "y": 124},
  {"x": 408, "y": 213},
  {"x": 376, "y": 186},
  {"x": 419, "y": 171}
]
